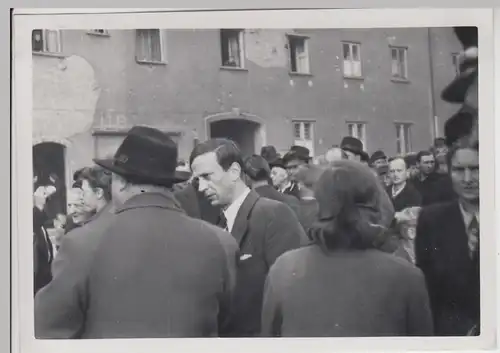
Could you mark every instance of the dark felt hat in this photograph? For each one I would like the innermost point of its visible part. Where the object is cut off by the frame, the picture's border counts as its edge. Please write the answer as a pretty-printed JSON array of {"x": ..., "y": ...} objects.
[
  {"x": 354, "y": 145},
  {"x": 297, "y": 153},
  {"x": 147, "y": 155},
  {"x": 458, "y": 126},
  {"x": 376, "y": 156},
  {"x": 456, "y": 91}
]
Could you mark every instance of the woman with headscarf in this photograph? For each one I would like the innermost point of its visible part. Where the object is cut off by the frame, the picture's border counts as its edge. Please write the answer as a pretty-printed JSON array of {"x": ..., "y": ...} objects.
[{"x": 342, "y": 286}]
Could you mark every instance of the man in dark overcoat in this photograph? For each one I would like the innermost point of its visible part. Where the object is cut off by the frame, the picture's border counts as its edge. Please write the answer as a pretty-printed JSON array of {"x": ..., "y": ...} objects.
[{"x": 153, "y": 271}]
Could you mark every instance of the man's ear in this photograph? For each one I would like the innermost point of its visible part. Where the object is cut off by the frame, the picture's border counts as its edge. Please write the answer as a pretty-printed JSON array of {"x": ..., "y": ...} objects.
[
  {"x": 235, "y": 170},
  {"x": 100, "y": 193}
]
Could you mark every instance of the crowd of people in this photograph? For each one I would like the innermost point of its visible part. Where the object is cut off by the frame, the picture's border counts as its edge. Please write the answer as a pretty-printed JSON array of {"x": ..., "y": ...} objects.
[{"x": 227, "y": 245}]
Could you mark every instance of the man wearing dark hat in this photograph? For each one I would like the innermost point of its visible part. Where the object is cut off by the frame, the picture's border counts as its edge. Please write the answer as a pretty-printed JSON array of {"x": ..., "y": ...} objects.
[
  {"x": 259, "y": 174},
  {"x": 154, "y": 272},
  {"x": 464, "y": 90},
  {"x": 354, "y": 149},
  {"x": 295, "y": 160}
]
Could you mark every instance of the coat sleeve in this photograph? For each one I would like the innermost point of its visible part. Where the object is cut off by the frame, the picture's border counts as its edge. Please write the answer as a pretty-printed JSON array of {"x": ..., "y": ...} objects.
[
  {"x": 283, "y": 233},
  {"x": 419, "y": 318},
  {"x": 59, "y": 306},
  {"x": 271, "y": 318}
]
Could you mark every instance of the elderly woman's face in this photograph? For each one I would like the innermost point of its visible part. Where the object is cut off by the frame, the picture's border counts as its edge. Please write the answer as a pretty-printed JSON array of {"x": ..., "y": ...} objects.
[
  {"x": 279, "y": 176},
  {"x": 77, "y": 209}
]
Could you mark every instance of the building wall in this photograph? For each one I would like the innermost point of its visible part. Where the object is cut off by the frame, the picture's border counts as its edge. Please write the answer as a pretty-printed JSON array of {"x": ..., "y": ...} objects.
[{"x": 192, "y": 86}]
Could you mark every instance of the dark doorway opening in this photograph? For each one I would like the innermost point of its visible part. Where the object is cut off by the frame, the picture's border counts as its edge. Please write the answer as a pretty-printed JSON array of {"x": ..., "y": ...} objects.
[
  {"x": 243, "y": 132},
  {"x": 49, "y": 169}
]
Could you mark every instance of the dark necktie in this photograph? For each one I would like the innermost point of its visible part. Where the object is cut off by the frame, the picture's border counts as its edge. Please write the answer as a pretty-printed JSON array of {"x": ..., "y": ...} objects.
[
  {"x": 473, "y": 232},
  {"x": 222, "y": 221}
]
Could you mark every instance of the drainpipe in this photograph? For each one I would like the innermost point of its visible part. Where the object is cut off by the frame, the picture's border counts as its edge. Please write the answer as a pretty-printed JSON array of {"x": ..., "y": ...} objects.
[{"x": 431, "y": 87}]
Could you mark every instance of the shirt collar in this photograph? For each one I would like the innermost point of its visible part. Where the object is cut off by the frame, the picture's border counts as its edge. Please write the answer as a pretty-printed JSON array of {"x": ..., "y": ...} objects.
[
  {"x": 467, "y": 215},
  {"x": 232, "y": 210},
  {"x": 394, "y": 194}
]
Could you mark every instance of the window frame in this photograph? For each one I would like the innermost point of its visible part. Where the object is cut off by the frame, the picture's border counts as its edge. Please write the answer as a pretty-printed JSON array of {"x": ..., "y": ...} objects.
[
  {"x": 351, "y": 60},
  {"x": 305, "y": 40},
  {"x": 398, "y": 50},
  {"x": 163, "y": 49},
  {"x": 94, "y": 32},
  {"x": 455, "y": 60},
  {"x": 241, "y": 48},
  {"x": 406, "y": 142},
  {"x": 302, "y": 141},
  {"x": 58, "y": 52},
  {"x": 356, "y": 125}
]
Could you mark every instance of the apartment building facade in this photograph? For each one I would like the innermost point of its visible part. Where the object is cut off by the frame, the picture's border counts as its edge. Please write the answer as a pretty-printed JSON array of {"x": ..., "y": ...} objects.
[{"x": 256, "y": 86}]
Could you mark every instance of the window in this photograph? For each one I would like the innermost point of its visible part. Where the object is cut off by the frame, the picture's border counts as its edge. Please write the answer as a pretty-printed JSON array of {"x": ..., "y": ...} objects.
[
  {"x": 303, "y": 134},
  {"x": 352, "y": 59},
  {"x": 403, "y": 138},
  {"x": 357, "y": 130},
  {"x": 99, "y": 32},
  {"x": 299, "y": 54},
  {"x": 232, "y": 53},
  {"x": 150, "y": 46},
  {"x": 46, "y": 40},
  {"x": 455, "y": 59},
  {"x": 399, "y": 63}
]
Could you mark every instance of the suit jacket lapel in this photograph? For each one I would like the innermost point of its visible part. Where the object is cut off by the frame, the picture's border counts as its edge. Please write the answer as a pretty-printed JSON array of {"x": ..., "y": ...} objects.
[
  {"x": 459, "y": 237},
  {"x": 240, "y": 226}
]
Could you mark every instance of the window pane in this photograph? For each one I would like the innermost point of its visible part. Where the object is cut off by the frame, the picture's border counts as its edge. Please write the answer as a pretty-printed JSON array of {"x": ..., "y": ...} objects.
[
  {"x": 355, "y": 52},
  {"x": 407, "y": 138},
  {"x": 155, "y": 40},
  {"x": 360, "y": 131},
  {"x": 398, "y": 139},
  {"x": 346, "y": 51},
  {"x": 356, "y": 68},
  {"x": 293, "y": 54},
  {"x": 350, "y": 129},
  {"x": 297, "y": 130},
  {"x": 234, "y": 51},
  {"x": 394, "y": 54},
  {"x": 307, "y": 131},
  {"x": 142, "y": 44},
  {"x": 37, "y": 40},
  {"x": 51, "y": 40},
  {"x": 403, "y": 65},
  {"x": 395, "y": 68}
]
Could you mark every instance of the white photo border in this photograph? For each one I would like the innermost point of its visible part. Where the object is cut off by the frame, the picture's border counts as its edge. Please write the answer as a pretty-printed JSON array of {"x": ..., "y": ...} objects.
[{"x": 22, "y": 293}]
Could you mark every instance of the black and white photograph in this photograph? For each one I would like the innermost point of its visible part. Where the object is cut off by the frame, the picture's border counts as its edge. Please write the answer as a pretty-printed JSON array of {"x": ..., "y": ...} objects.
[{"x": 225, "y": 175}]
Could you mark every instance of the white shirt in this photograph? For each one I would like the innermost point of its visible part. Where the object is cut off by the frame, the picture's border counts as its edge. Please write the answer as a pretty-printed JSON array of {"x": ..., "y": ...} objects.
[
  {"x": 232, "y": 211},
  {"x": 396, "y": 193}
]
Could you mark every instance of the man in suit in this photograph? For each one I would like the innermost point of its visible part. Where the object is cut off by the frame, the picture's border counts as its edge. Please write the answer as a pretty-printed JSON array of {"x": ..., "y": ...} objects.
[
  {"x": 295, "y": 160},
  {"x": 432, "y": 186},
  {"x": 259, "y": 175},
  {"x": 403, "y": 194},
  {"x": 152, "y": 271},
  {"x": 43, "y": 252},
  {"x": 263, "y": 228},
  {"x": 447, "y": 249}
]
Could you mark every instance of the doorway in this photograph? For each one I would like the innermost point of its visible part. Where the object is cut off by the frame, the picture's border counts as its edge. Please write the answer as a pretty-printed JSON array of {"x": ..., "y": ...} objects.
[
  {"x": 49, "y": 169},
  {"x": 246, "y": 133}
]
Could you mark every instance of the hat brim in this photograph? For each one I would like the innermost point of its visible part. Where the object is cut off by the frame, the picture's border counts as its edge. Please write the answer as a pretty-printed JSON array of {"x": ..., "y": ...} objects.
[
  {"x": 456, "y": 91},
  {"x": 178, "y": 177},
  {"x": 364, "y": 156}
]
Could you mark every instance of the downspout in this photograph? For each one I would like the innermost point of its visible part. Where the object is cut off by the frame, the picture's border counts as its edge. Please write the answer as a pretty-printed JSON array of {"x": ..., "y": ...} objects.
[{"x": 431, "y": 88}]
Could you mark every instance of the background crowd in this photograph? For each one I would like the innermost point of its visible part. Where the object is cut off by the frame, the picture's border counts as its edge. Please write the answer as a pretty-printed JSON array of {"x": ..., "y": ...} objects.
[{"x": 345, "y": 244}]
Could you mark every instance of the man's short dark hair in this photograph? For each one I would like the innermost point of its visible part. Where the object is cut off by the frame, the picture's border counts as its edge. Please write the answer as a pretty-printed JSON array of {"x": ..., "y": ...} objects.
[
  {"x": 423, "y": 154},
  {"x": 226, "y": 151},
  {"x": 98, "y": 178},
  {"x": 257, "y": 168},
  {"x": 453, "y": 150}
]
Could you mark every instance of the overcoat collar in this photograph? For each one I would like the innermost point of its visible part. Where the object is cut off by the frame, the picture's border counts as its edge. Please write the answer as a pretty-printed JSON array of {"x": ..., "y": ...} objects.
[{"x": 151, "y": 199}]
